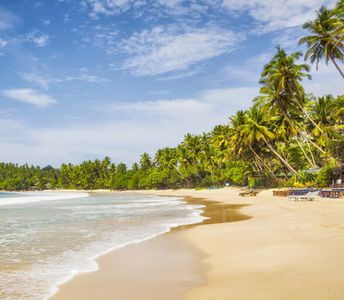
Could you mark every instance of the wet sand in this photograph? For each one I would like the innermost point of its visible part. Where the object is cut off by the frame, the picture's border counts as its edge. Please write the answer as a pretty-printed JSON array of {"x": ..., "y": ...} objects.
[
  {"x": 165, "y": 267},
  {"x": 278, "y": 250}
]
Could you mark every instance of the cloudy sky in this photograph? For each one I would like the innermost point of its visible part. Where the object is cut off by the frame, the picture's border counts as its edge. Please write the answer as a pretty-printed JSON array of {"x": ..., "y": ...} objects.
[{"x": 81, "y": 79}]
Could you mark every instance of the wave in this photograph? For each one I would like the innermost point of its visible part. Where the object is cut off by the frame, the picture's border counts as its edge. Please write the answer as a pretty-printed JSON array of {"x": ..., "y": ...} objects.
[
  {"x": 112, "y": 222},
  {"x": 91, "y": 264},
  {"x": 31, "y": 197}
]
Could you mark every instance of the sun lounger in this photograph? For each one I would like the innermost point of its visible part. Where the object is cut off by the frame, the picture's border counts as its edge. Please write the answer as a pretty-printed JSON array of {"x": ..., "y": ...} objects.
[
  {"x": 280, "y": 193},
  {"x": 333, "y": 193},
  {"x": 248, "y": 193},
  {"x": 307, "y": 197}
]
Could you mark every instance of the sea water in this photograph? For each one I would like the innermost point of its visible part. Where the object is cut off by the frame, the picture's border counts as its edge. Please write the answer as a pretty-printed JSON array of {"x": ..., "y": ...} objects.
[{"x": 46, "y": 238}]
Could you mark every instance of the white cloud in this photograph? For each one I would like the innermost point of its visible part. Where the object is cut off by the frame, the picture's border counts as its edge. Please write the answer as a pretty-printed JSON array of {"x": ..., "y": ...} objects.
[
  {"x": 46, "y": 22},
  {"x": 107, "y": 7},
  {"x": 29, "y": 96},
  {"x": 84, "y": 76},
  {"x": 277, "y": 14},
  {"x": 135, "y": 128},
  {"x": 3, "y": 43},
  {"x": 180, "y": 75},
  {"x": 191, "y": 8},
  {"x": 219, "y": 102},
  {"x": 40, "y": 40},
  {"x": 166, "y": 49},
  {"x": 46, "y": 80},
  {"x": 158, "y": 92},
  {"x": 288, "y": 38},
  {"x": 66, "y": 18},
  {"x": 100, "y": 36},
  {"x": 37, "y": 79},
  {"x": 246, "y": 72},
  {"x": 7, "y": 19}
]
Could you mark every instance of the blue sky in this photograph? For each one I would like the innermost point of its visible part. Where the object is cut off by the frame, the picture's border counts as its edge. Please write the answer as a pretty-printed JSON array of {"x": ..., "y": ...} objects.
[{"x": 81, "y": 79}]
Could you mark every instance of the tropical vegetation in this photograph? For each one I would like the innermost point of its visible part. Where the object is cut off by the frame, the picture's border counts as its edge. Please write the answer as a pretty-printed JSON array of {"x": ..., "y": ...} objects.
[{"x": 287, "y": 137}]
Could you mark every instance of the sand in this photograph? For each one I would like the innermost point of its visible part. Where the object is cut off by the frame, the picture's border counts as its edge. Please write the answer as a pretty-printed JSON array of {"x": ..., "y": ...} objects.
[
  {"x": 165, "y": 267},
  {"x": 284, "y": 250}
]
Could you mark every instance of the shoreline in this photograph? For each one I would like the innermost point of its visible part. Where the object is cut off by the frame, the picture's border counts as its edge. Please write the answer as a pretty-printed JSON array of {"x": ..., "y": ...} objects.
[
  {"x": 286, "y": 248},
  {"x": 174, "y": 238}
]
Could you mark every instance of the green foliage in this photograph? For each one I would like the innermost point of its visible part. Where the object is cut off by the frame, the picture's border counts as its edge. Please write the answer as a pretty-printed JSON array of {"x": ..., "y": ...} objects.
[
  {"x": 236, "y": 172},
  {"x": 285, "y": 133},
  {"x": 325, "y": 176},
  {"x": 302, "y": 178}
]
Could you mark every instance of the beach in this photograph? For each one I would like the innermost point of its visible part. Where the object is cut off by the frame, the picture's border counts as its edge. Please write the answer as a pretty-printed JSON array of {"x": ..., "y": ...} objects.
[{"x": 279, "y": 250}]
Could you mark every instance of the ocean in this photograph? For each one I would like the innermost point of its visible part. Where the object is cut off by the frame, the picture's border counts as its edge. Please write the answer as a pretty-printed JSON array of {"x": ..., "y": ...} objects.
[{"x": 46, "y": 238}]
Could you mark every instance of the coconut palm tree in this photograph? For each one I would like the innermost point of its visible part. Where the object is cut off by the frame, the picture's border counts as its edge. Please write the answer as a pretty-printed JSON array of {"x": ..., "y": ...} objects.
[
  {"x": 281, "y": 79},
  {"x": 324, "y": 111},
  {"x": 220, "y": 139},
  {"x": 145, "y": 162},
  {"x": 324, "y": 41},
  {"x": 256, "y": 130},
  {"x": 339, "y": 12}
]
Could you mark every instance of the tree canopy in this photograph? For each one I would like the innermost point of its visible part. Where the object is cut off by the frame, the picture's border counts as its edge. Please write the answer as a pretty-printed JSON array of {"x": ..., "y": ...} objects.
[{"x": 281, "y": 139}]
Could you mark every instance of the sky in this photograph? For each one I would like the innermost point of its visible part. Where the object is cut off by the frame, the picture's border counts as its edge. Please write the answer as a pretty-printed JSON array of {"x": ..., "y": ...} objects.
[{"x": 84, "y": 79}]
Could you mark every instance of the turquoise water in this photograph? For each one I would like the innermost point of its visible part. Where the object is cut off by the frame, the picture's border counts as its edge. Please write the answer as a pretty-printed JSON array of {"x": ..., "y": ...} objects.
[{"x": 48, "y": 238}]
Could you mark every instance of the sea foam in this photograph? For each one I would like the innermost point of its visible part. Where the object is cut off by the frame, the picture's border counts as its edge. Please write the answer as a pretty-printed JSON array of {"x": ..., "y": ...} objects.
[
  {"x": 48, "y": 238},
  {"x": 30, "y": 197}
]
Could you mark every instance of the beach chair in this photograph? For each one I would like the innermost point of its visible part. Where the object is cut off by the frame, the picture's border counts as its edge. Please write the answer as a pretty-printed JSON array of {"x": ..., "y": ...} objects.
[
  {"x": 248, "y": 193},
  {"x": 333, "y": 193},
  {"x": 280, "y": 193},
  {"x": 307, "y": 197}
]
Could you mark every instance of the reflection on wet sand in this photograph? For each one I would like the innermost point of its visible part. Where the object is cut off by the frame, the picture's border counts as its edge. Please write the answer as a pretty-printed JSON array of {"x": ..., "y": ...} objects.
[{"x": 216, "y": 212}]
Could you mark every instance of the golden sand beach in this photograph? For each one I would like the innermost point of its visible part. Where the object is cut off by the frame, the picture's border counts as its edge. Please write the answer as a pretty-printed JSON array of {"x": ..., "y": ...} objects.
[{"x": 276, "y": 249}]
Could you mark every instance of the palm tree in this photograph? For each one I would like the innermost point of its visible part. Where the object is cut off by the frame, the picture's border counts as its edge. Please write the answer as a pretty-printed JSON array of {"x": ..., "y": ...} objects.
[
  {"x": 236, "y": 143},
  {"x": 256, "y": 130},
  {"x": 324, "y": 42},
  {"x": 220, "y": 139},
  {"x": 145, "y": 162},
  {"x": 237, "y": 146},
  {"x": 324, "y": 111},
  {"x": 339, "y": 12},
  {"x": 281, "y": 79}
]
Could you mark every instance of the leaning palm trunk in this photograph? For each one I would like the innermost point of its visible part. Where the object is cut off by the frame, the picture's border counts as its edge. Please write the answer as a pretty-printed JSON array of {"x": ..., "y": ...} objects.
[
  {"x": 336, "y": 65},
  {"x": 311, "y": 152},
  {"x": 308, "y": 116},
  {"x": 258, "y": 166},
  {"x": 316, "y": 146},
  {"x": 301, "y": 132},
  {"x": 262, "y": 162},
  {"x": 180, "y": 174},
  {"x": 290, "y": 168},
  {"x": 312, "y": 163}
]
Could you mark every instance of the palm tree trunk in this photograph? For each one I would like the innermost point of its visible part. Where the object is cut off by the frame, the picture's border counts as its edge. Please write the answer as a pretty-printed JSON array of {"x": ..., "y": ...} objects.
[
  {"x": 180, "y": 174},
  {"x": 336, "y": 65},
  {"x": 317, "y": 146},
  {"x": 305, "y": 154},
  {"x": 290, "y": 168},
  {"x": 301, "y": 132},
  {"x": 309, "y": 117},
  {"x": 258, "y": 166},
  {"x": 262, "y": 161},
  {"x": 311, "y": 152}
]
